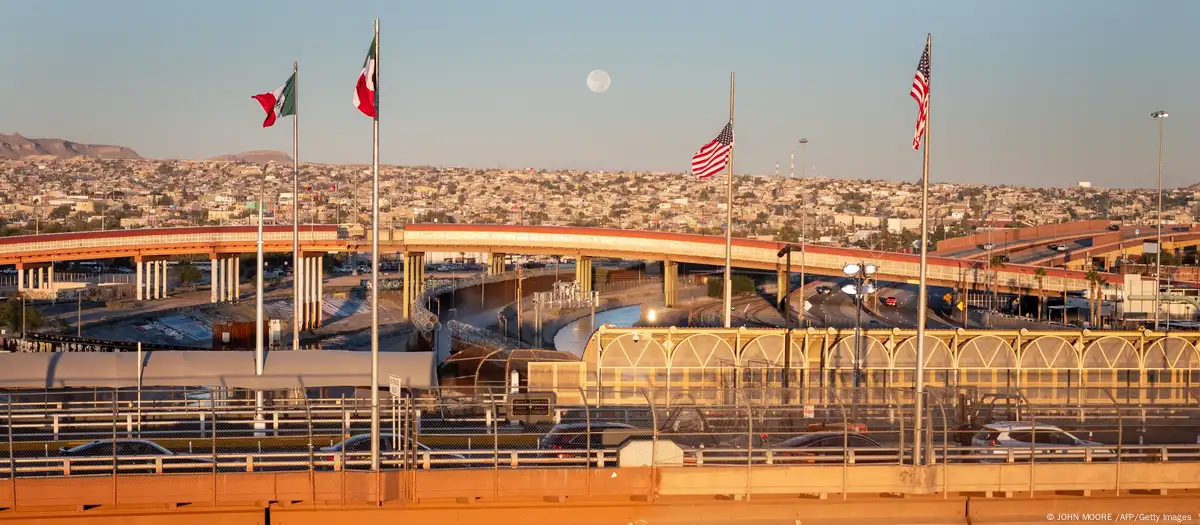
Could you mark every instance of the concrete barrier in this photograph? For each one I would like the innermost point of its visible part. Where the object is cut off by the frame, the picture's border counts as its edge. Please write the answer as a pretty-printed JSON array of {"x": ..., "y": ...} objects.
[{"x": 626, "y": 484}]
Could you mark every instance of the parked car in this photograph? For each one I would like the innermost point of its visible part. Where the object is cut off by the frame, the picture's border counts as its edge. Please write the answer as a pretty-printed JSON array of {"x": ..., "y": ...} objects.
[
  {"x": 1024, "y": 438},
  {"x": 865, "y": 449}
]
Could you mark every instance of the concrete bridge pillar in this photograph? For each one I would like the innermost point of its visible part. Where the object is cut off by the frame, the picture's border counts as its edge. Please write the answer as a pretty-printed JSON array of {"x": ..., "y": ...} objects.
[
  {"x": 235, "y": 284},
  {"x": 320, "y": 290},
  {"x": 670, "y": 283},
  {"x": 212, "y": 278},
  {"x": 496, "y": 264},
  {"x": 224, "y": 278},
  {"x": 583, "y": 274},
  {"x": 310, "y": 275},
  {"x": 414, "y": 279},
  {"x": 34, "y": 276},
  {"x": 151, "y": 279},
  {"x": 162, "y": 278}
]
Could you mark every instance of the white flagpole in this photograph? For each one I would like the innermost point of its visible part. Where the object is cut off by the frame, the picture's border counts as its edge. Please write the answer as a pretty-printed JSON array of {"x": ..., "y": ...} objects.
[
  {"x": 296, "y": 311},
  {"x": 375, "y": 268},
  {"x": 258, "y": 307},
  {"x": 728, "y": 314},
  {"x": 922, "y": 293}
]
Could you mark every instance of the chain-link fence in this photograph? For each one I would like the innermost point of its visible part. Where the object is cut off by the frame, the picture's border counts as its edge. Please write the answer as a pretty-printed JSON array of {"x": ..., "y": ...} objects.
[{"x": 65, "y": 438}]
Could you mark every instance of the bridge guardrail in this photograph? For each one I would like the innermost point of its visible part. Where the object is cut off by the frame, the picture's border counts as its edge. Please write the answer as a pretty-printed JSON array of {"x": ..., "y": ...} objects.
[
  {"x": 190, "y": 414},
  {"x": 743, "y": 446},
  {"x": 748, "y": 427}
]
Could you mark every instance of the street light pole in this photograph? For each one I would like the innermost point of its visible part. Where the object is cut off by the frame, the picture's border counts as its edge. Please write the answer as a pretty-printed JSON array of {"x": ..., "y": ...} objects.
[
  {"x": 787, "y": 320},
  {"x": 1160, "y": 116},
  {"x": 803, "y": 259},
  {"x": 861, "y": 274}
]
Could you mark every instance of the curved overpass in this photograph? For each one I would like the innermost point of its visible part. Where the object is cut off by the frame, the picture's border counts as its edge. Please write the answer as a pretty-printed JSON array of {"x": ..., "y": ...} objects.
[
  {"x": 576, "y": 241},
  {"x": 1130, "y": 243},
  {"x": 968, "y": 246}
]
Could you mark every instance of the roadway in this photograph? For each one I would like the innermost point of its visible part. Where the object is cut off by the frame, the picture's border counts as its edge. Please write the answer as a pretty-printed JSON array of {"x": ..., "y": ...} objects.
[{"x": 1001, "y": 244}]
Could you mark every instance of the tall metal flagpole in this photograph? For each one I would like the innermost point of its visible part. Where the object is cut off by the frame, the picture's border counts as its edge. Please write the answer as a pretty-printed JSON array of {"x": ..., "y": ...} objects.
[
  {"x": 296, "y": 309},
  {"x": 922, "y": 293},
  {"x": 728, "y": 315},
  {"x": 375, "y": 267},
  {"x": 258, "y": 307}
]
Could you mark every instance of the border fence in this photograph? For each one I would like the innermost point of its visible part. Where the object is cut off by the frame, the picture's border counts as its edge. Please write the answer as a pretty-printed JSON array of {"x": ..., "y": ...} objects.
[{"x": 442, "y": 441}]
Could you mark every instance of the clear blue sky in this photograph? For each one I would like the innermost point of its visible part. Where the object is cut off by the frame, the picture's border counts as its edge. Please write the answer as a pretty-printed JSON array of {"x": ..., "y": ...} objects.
[{"x": 1024, "y": 92}]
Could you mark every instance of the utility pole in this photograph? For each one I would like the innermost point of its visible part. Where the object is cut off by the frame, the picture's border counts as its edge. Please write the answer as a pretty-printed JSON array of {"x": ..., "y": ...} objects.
[{"x": 519, "y": 303}]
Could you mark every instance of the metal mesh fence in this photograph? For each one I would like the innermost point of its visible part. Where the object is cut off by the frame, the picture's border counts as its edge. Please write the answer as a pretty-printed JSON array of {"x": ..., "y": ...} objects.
[{"x": 68, "y": 438}]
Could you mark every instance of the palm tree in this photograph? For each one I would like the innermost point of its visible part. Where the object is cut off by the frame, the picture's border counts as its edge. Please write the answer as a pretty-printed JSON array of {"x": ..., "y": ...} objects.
[
  {"x": 995, "y": 263},
  {"x": 1040, "y": 276},
  {"x": 1094, "y": 280}
]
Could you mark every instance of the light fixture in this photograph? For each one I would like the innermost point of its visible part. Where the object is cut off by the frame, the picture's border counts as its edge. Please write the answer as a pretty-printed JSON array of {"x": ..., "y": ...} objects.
[
  {"x": 1159, "y": 114},
  {"x": 850, "y": 269},
  {"x": 652, "y": 316},
  {"x": 869, "y": 269},
  {"x": 850, "y": 289}
]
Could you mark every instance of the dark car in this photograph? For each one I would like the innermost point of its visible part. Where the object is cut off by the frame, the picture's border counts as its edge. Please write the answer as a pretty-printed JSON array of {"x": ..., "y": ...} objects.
[
  {"x": 824, "y": 290},
  {"x": 866, "y": 450},
  {"x": 356, "y": 452},
  {"x": 1114, "y": 227},
  {"x": 133, "y": 455},
  {"x": 601, "y": 435}
]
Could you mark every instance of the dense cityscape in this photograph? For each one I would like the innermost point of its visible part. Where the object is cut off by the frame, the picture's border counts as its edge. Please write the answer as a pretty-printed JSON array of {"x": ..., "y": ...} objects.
[{"x": 80, "y": 194}]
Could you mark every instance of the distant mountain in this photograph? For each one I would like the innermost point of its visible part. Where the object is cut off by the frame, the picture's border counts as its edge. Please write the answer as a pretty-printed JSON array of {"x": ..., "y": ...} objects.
[
  {"x": 17, "y": 147},
  {"x": 257, "y": 157}
]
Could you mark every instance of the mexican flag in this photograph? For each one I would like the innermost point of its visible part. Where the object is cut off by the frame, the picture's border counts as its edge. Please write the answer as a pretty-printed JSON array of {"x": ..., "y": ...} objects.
[
  {"x": 364, "y": 91},
  {"x": 279, "y": 103}
]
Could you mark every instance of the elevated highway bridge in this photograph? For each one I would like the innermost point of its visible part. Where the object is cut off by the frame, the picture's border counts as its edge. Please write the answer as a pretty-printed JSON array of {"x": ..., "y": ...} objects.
[{"x": 32, "y": 255}]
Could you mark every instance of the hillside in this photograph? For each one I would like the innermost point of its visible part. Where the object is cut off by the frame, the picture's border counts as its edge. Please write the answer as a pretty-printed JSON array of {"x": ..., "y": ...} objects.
[
  {"x": 257, "y": 157},
  {"x": 16, "y": 146}
]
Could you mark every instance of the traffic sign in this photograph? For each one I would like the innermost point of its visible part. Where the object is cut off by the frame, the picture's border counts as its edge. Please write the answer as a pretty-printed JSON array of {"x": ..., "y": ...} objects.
[
  {"x": 807, "y": 306},
  {"x": 961, "y": 306},
  {"x": 810, "y": 411},
  {"x": 948, "y": 297}
]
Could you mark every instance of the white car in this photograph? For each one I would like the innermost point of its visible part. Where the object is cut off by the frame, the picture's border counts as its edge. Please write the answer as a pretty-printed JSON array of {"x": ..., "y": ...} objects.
[
  {"x": 1024, "y": 438},
  {"x": 989, "y": 245}
]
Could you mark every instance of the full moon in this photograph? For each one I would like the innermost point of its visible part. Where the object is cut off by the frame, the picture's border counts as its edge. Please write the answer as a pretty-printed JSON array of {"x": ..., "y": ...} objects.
[{"x": 598, "y": 81}]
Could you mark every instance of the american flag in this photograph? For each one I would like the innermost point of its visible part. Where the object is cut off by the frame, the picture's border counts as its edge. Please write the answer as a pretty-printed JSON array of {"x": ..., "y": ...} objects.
[
  {"x": 920, "y": 93},
  {"x": 714, "y": 156}
]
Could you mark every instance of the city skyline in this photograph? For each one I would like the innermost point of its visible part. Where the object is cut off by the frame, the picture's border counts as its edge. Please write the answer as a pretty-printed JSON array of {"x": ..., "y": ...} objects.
[{"x": 1006, "y": 108}]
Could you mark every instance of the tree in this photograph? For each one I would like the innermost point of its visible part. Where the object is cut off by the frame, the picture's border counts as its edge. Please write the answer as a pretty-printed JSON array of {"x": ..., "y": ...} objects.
[
  {"x": 994, "y": 264},
  {"x": 10, "y": 316},
  {"x": 1040, "y": 276},
  {"x": 1095, "y": 288},
  {"x": 60, "y": 212},
  {"x": 188, "y": 273}
]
